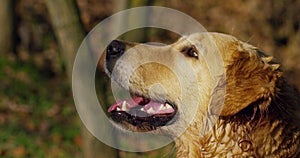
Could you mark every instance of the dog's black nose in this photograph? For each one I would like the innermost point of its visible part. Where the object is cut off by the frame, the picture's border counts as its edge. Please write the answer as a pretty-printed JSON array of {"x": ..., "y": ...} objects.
[{"x": 114, "y": 50}]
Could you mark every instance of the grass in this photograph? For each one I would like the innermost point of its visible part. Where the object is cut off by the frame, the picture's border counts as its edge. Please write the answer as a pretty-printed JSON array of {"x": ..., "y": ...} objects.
[
  {"x": 37, "y": 115},
  {"x": 38, "y": 118}
]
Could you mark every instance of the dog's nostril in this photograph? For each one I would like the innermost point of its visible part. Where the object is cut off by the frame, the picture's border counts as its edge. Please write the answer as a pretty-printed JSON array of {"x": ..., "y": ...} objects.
[{"x": 115, "y": 48}]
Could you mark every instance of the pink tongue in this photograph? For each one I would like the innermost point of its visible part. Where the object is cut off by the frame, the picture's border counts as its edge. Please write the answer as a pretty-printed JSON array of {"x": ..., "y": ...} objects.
[
  {"x": 146, "y": 103},
  {"x": 131, "y": 103}
]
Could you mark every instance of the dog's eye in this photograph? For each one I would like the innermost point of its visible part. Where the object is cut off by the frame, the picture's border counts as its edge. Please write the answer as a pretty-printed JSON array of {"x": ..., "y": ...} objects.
[{"x": 191, "y": 52}]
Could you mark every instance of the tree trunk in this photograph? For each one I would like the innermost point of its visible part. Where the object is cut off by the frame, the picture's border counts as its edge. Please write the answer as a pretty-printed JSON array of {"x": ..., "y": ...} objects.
[
  {"x": 68, "y": 28},
  {"x": 139, "y": 35},
  {"x": 70, "y": 33},
  {"x": 7, "y": 26}
]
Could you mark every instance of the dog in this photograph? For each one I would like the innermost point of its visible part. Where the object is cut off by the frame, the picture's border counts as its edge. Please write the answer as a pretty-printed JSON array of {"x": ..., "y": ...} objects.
[{"x": 227, "y": 97}]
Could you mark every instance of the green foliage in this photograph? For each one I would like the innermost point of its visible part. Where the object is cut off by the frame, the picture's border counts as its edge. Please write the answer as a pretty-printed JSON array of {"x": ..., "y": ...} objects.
[{"x": 36, "y": 118}]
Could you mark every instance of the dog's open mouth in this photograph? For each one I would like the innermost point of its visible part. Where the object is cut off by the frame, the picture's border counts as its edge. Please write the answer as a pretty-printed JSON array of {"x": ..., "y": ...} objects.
[{"x": 141, "y": 111}]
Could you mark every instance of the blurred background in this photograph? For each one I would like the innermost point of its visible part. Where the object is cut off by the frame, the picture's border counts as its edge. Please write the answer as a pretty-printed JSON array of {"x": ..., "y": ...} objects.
[{"x": 39, "y": 40}]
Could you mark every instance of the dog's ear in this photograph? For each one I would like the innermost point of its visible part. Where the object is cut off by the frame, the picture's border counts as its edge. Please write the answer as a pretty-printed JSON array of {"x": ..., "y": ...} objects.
[{"x": 250, "y": 78}]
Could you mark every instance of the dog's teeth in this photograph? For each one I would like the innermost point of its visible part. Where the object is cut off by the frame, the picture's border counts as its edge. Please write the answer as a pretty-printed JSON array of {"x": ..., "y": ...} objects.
[
  {"x": 118, "y": 109},
  {"x": 142, "y": 109},
  {"x": 168, "y": 106},
  {"x": 151, "y": 110},
  {"x": 124, "y": 106},
  {"x": 162, "y": 107}
]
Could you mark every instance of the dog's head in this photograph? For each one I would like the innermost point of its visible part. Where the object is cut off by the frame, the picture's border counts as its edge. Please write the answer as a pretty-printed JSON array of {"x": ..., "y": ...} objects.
[{"x": 198, "y": 76}]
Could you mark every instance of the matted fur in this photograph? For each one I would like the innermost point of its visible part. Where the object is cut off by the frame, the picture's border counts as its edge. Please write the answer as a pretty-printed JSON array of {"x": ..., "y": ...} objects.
[{"x": 261, "y": 112}]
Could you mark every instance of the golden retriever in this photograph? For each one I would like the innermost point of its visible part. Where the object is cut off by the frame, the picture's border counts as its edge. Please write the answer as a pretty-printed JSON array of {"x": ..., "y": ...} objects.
[{"x": 230, "y": 98}]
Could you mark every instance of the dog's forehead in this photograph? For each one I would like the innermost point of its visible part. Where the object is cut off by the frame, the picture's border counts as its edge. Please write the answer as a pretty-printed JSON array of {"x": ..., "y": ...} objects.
[
  {"x": 193, "y": 38},
  {"x": 212, "y": 37},
  {"x": 206, "y": 39},
  {"x": 226, "y": 44},
  {"x": 188, "y": 40}
]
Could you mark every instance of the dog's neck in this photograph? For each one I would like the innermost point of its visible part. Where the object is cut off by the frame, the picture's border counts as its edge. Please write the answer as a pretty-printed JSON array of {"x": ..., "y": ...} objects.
[
  {"x": 228, "y": 139},
  {"x": 249, "y": 133},
  {"x": 224, "y": 139}
]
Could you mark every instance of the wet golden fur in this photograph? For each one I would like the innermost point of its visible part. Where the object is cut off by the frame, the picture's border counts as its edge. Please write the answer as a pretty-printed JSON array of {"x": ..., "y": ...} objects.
[{"x": 260, "y": 114}]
